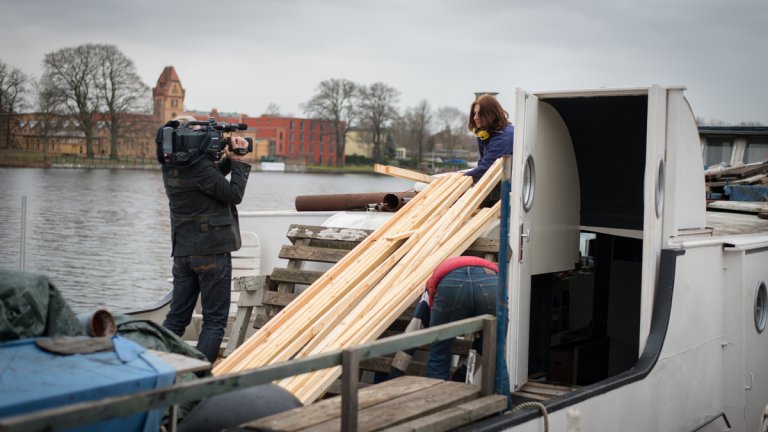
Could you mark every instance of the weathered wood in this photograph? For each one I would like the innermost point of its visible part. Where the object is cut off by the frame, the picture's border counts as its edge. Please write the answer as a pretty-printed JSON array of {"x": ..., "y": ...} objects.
[
  {"x": 180, "y": 363},
  {"x": 547, "y": 387},
  {"x": 739, "y": 206},
  {"x": 330, "y": 237},
  {"x": 304, "y": 277},
  {"x": 327, "y": 409},
  {"x": 534, "y": 396},
  {"x": 312, "y": 253},
  {"x": 403, "y": 173},
  {"x": 383, "y": 364},
  {"x": 410, "y": 406},
  {"x": 248, "y": 283},
  {"x": 483, "y": 245},
  {"x": 455, "y": 416},
  {"x": 274, "y": 298}
]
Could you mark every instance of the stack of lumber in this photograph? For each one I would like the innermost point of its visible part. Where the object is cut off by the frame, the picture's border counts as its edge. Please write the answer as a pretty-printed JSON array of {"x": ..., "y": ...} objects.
[
  {"x": 716, "y": 178},
  {"x": 358, "y": 298}
]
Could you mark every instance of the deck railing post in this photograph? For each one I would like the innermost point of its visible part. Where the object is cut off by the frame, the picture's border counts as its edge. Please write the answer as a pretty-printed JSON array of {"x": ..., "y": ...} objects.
[
  {"x": 23, "y": 249},
  {"x": 350, "y": 367},
  {"x": 488, "y": 380}
]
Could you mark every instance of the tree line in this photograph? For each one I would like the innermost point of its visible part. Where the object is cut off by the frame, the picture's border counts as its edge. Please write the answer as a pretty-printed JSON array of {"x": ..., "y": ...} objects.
[
  {"x": 373, "y": 110},
  {"x": 88, "y": 83},
  {"x": 93, "y": 83}
]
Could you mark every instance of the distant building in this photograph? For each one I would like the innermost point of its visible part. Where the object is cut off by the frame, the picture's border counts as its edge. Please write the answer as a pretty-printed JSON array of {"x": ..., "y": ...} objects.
[
  {"x": 292, "y": 139},
  {"x": 733, "y": 144},
  {"x": 358, "y": 144}
]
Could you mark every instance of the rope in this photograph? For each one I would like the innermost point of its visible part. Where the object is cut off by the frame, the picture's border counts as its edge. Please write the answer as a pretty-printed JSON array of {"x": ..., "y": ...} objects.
[{"x": 540, "y": 407}]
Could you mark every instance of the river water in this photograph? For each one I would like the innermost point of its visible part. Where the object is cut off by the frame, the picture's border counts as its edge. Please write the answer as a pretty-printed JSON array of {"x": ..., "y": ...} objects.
[{"x": 103, "y": 236}]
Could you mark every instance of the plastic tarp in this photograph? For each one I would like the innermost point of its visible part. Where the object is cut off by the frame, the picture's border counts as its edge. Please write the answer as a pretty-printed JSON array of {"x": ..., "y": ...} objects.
[
  {"x": 34, "y": 379},
  {"x": 31, "y": 306}
]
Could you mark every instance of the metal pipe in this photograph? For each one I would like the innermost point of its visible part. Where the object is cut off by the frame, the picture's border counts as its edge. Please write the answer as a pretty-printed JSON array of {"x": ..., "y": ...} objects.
[
  {"x": 386, "y": 201},
  {"x": 502, "y": 304},
  {"x": 23, "y": 251}
]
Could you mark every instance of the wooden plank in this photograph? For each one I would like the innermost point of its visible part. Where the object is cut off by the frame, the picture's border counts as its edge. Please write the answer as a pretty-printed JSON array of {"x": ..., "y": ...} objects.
[
  {"x": 332, "y": 237},
  {"x": 403, "y": 173},
  {"x": 249, "y": 283},
  {"x": 274, "y": 298},
  {"x": 483, "y": 245},
  {"x": 305, "y": 277},
  {"x": 550, "y": 387},
  {"x": 534, "y": 396},
  {"x": 182, "y": 364},
  {"x": 383, "y": 364},
  {"x": 407, "y": 407},
  {"x": 327, "y": 409},
  {"x": 312, "y": 253},
  {"x": 739, "y": 206},
  {"x": 454, "y": 417}
]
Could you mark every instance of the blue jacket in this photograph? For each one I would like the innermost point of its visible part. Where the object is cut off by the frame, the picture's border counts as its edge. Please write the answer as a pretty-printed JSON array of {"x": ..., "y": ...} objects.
[{"x": 496, "y": 146}]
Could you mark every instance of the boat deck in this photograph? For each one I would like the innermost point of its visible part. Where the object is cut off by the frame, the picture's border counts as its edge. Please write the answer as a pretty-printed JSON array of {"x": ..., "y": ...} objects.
[
  {"x": 727, "y": 223},
  {"x": 408, "y": 403}
]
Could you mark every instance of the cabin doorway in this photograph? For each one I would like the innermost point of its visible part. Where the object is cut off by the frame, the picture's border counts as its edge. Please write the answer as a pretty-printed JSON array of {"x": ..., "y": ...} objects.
[{"x": 584, "y": 241}]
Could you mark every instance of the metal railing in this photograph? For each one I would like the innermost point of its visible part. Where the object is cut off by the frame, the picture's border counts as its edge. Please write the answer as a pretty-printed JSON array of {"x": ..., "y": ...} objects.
[{"x": 114, "y": 407}]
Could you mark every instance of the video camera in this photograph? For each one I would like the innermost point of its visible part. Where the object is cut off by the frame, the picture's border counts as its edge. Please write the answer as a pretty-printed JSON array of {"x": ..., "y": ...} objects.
[{"x": 184, "y": 145}]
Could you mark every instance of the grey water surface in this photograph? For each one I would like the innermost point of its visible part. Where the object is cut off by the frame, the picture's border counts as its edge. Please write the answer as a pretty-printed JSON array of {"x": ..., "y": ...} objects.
[{"x": 103, "y": 236}]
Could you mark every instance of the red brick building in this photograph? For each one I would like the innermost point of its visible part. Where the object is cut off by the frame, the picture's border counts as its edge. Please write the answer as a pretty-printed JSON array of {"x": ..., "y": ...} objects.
[{"x": 297, "y": 140}]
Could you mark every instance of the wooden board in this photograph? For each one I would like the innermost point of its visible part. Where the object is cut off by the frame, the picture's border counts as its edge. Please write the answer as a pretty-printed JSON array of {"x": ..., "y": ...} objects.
[
  {"x": 312, "y": 253},
  {"x": 403, "y": 173},
  {"x": 455, "y": 416},
  {"x": 407, "y": 407},
  {"x": 327, "y": 409}
]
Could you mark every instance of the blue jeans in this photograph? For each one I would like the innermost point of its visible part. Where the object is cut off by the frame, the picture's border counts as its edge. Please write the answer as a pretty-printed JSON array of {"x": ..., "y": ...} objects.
[
  {"x": 210, "y": 276},
  {"x": 462, "y": 293}
]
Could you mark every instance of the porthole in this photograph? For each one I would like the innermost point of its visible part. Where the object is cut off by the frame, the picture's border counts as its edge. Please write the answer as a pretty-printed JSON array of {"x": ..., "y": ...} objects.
[
  {"x": 761, "y": 314},
  {"x": 529, "y": 183},
  {"x": 660, "y": 188}
]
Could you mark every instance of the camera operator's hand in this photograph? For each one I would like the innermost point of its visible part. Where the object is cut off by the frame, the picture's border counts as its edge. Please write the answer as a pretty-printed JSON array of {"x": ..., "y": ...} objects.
[{"x": 237, "y": 142}]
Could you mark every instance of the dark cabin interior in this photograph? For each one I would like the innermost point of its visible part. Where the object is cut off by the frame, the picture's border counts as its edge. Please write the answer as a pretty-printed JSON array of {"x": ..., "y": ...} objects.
[{"x": 585, "y": 322}]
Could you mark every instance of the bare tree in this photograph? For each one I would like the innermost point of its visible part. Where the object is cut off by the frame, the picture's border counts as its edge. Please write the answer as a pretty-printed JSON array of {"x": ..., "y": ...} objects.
[
  {"x": 13, "y": 87},
  {"x": 377, "y": 111},
  {"x": 335, "y": 100},
  {"x": 120, "y": 89},
  {"x": 48, "y": 103},
  {"x": 452, "y": 123},
  {"x": 272, "y": 110},
  {"x": 72, "y": 70},
  {"x": 418, "y": 119}
]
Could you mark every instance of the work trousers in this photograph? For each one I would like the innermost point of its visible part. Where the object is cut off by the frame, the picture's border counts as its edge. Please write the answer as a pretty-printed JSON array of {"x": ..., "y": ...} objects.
[
  {"x": 210, "y": 277},
  {"x": 462, "y": 293}
]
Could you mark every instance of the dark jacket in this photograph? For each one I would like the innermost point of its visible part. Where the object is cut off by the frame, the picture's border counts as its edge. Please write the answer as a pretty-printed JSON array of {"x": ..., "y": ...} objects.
[
  {"x": 202, "y": 202},
  {"x": 496, "y": 146}
]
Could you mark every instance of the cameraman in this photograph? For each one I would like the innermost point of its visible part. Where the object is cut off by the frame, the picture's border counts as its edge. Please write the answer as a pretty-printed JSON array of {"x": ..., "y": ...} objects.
[{"x": 204, "y": 230}]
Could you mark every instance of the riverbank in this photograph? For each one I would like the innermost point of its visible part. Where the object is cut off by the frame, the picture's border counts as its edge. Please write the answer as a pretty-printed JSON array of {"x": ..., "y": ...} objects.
[{"x": 9, "y": 159}]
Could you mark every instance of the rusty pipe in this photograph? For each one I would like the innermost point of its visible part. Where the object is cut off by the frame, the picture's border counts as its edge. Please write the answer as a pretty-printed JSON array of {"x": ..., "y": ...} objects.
[{"x": 385, "y": 201}]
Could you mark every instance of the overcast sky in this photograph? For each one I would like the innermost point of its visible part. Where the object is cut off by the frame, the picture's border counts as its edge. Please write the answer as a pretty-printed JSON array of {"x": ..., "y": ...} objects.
[{"x": 243, "y": 55}]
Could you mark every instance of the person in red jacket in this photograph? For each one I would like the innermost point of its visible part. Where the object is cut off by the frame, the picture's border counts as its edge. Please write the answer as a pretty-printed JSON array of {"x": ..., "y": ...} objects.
[{"x": 459, "y": 288}]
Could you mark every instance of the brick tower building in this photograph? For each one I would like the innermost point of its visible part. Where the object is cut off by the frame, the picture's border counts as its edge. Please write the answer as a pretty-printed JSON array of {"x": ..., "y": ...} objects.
[{"x": 168, "y": 96}]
